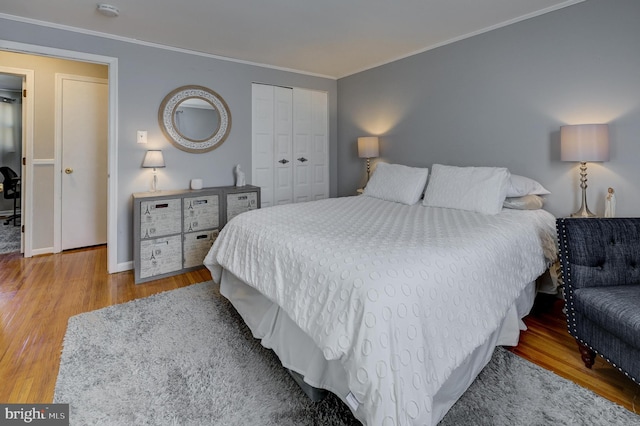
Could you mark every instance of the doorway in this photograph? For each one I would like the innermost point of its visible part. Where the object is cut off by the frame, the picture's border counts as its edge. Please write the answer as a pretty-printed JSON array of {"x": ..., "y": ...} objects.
[
  {"x": 40, "y": 163},
  {"x": 11, "y": 142}
]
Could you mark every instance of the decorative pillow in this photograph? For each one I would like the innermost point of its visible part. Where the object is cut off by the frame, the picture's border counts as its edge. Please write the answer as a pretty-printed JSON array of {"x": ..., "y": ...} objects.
[
  {"x": 521, "y": 186},
  {"x": 478, "y": 189},
  {"x": 528, "y": 202},
  {"x": 395, "y": 182}
]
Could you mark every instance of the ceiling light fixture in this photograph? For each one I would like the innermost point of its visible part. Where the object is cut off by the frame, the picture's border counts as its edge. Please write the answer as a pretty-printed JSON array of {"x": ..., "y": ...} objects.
[{"x": 108, "y": 10}]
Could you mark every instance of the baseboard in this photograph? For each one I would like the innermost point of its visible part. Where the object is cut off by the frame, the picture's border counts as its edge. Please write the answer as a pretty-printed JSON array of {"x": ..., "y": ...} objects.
[
  {"x": 46, "y": 250},
  {"x": 124, "y": 266}
]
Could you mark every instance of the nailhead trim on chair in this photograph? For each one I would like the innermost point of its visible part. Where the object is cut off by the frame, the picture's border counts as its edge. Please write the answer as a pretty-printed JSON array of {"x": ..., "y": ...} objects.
[{"x": 568, "y": 291}]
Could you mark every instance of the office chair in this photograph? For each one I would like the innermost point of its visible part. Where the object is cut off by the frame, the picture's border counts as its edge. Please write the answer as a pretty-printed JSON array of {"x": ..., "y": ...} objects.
[{"x": 11, "y": 191}]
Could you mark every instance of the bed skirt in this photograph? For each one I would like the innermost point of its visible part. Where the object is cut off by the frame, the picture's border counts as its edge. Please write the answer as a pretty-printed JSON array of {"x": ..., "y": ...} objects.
[{"x": 299, "y": 354}]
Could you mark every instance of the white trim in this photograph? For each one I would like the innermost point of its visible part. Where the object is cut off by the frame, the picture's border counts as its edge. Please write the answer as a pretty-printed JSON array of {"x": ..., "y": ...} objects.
[
  {"x": 155, "y": 45},
  {"x": 224, "y": 58},
  {"x": 124, "y": 266},
  {"x": 43, "y": 162},
  {"x": 45, "y": 250},
  {"x": 28, "y": 108},
  {"x": 112, "y": 202}
]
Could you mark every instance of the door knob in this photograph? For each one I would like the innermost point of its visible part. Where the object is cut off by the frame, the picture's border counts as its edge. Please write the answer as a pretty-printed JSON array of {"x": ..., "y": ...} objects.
[
  {"x": 283, "y": 161},
  {"x": 68, "y": 170}
]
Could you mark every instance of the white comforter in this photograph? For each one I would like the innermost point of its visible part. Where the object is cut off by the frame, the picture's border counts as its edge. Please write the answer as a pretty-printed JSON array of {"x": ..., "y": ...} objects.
[{"x": 401, "y": 295}]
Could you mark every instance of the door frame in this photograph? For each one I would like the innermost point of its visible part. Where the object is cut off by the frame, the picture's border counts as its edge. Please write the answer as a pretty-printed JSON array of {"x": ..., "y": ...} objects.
[
  {"x": 112, "y": 177},
  {"x": 58, "y": 146},
  {"x": 26, "y": 141}
]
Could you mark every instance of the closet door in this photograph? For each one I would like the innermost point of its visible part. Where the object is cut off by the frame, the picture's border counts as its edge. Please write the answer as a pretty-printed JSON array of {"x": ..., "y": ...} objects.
[
  {"x": 302, "y": 145},
  {"x": 290, "y": 144},
  {"x": 319, "y": 145},
  {"x": 310, "y": 145},
  {"x": 283, "y": 129}
]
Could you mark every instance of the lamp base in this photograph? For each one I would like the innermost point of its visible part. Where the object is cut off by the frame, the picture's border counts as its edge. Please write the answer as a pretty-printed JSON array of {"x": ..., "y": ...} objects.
[
  {"x": 154, "y": 181},
  {"x": 582, "y": 213}
]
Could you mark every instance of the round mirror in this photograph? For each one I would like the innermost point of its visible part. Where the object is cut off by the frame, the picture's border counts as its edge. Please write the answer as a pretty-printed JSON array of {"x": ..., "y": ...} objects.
[{"x": 194, "y": 119}]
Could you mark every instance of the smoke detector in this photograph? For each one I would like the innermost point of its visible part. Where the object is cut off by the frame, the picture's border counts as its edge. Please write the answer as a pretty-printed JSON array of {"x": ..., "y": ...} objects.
[{"x": 108, "y": 10}]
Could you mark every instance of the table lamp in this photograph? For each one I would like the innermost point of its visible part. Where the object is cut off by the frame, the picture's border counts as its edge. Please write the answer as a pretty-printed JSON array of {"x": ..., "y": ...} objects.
[
  {"x": 368, "y": 147},
  {"x": 152, "y": 160},
  {"x": 584, "y": 143}
]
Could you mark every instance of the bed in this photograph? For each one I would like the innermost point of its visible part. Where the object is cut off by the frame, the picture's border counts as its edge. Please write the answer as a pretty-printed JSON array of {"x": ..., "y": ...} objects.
[{"x": 393, "y": 307}]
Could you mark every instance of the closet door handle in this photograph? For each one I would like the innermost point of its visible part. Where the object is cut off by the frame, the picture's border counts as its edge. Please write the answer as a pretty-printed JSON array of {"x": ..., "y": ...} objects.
[
  {"x": 302, "y": 159},
  {"x": 283, "y": 161}
]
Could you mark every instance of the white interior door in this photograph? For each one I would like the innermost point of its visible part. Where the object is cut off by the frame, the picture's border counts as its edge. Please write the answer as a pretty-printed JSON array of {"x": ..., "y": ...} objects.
[
  {"x": 302, "y": 137},
  {"x": 283, "y": 190},
  {"x": 320, "y": 145},
  {"x": 290, "y": 144},
  {"x": 262, "y": 142},
  {"x": 83, "y": 129}
]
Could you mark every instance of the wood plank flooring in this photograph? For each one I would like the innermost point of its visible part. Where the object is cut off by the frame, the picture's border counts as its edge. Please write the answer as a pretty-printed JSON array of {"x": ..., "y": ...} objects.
[{"x": 38, "y": 295}]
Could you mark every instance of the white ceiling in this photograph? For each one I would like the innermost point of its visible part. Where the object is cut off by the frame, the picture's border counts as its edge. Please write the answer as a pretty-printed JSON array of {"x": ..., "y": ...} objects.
[{"x": 332, "y": 38}]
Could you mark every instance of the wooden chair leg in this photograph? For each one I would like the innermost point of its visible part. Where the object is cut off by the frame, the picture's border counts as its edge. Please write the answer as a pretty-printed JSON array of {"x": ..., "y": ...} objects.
[{"x": 588, "y": 356}]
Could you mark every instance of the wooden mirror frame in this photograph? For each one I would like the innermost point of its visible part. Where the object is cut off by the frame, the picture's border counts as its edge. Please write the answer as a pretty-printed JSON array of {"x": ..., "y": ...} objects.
[{"x": 167, "y": 115}]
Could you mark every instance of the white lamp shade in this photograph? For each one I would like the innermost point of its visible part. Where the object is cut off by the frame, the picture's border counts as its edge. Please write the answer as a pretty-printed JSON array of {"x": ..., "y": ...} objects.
[
  {"x": 368, "y": 147},
  {"x": 584, "y": 142},
  {"x": 153, "y": 159}
]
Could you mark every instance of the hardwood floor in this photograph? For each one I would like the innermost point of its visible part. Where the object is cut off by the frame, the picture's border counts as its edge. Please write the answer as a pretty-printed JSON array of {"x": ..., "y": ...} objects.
[{"x": 38, "y": 295}]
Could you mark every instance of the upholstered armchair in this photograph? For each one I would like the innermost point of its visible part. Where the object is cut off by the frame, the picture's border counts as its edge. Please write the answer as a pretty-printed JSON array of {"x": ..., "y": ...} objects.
[{"x": 600, "y": 261}]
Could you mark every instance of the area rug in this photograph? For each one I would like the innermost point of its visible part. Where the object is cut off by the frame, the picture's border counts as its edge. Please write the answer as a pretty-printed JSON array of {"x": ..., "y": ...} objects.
[
  {"x": 9, "y": 238},
  {"x": 184, "y": 357}
]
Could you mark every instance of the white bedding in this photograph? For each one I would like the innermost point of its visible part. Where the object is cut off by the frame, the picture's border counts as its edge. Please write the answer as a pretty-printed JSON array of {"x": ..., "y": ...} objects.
[{"x": 399, "y": 295}]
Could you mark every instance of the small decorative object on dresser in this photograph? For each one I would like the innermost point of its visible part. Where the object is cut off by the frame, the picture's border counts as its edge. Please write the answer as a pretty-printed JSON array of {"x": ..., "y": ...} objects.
[
  {"x": 196, "y": 183},
  {"x": 174, "y": 230},
  {"x": 240, "y": 179}
]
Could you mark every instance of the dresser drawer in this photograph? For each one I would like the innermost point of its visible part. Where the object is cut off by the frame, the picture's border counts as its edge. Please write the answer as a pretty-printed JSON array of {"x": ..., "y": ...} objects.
[
  {"x": 201, "y": 213},
  {"x": 196, "y": 245},
  {"x": 160, "y": 217},
  {"x": 240, "y": 202},
  {"x": 160, "y": 256}
]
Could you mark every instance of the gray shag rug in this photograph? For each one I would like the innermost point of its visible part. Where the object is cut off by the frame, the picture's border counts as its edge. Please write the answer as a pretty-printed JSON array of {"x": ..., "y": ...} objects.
[
  {"x": 184, "y": 357},
  {"x": 9, "y": 237}
]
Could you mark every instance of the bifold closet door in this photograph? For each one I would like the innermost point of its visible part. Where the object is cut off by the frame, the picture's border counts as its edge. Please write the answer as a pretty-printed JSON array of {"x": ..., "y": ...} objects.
[
  {"x": 310, "y": 145},
  {"x": 271, "y": 166},
  {"x": 290, "y": 159}
]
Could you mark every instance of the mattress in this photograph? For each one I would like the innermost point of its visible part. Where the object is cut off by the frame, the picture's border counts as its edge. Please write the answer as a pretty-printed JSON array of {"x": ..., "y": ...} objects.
[{"x": 401, "y": 297}]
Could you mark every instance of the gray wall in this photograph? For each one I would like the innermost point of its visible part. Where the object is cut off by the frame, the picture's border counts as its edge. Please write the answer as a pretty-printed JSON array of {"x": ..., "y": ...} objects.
[
  {"x": 499, "y": 99},
  {"x": 145, "y": 76}
]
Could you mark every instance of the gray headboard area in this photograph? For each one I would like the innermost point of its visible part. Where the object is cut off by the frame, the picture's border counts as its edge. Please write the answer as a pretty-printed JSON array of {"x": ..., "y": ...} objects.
[{"x": 499, "y": 99}]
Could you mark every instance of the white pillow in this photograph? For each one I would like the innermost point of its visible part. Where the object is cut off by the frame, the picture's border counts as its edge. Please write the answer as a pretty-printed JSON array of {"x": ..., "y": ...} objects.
[
  {"x": 521, "y": 186},
  {"x": 395, "y": 182},
  {"x": 478, "y": 189},
  {"x": 528, "y": 202}
]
